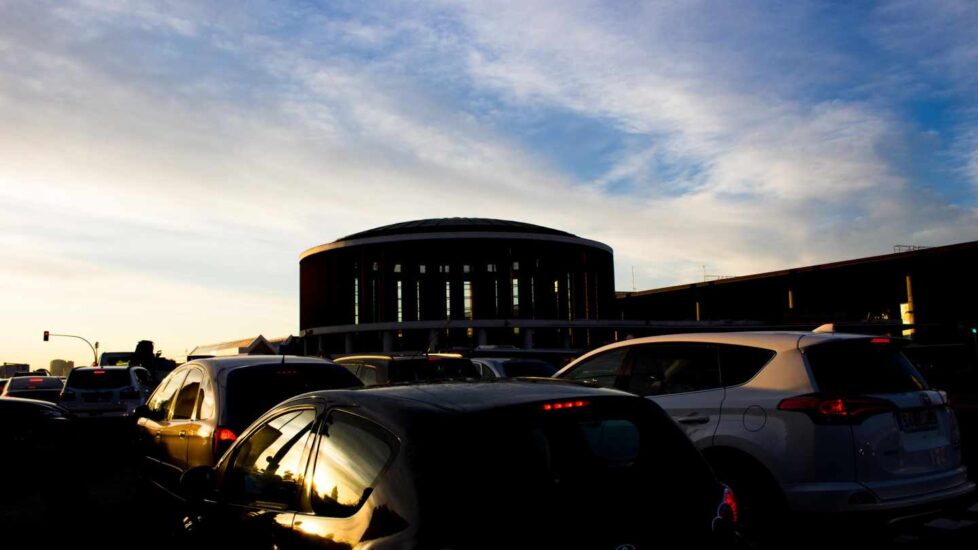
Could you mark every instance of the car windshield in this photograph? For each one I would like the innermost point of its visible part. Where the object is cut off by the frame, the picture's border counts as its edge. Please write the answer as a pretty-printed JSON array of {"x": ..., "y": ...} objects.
[
  {"x": 595, "y": 466},
  {"x": 862, "y": 366},
  {"x": 253, "y": 390},
  {"x": 431, "y": 368},
  {"x": 98, "y": 379}
]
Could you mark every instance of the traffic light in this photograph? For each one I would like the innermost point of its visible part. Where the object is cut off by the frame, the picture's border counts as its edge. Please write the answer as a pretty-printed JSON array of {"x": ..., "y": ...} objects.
[
  {"x": 974, "y": 330},
  {"x": 47, "y": 335}
]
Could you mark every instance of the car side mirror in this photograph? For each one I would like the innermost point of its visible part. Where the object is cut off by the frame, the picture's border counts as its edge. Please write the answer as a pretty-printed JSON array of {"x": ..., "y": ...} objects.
[
  {"x": 197, "y": 483},
  {"x": 141, "y": 411}
]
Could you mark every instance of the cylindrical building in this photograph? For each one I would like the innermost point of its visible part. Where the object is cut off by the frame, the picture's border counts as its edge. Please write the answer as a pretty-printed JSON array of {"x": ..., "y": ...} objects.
[{"x": 454, "y": 282}]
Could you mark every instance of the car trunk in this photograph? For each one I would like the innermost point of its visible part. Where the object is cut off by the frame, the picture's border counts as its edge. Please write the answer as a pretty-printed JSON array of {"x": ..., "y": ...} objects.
[{"x": 905, "y": 438}]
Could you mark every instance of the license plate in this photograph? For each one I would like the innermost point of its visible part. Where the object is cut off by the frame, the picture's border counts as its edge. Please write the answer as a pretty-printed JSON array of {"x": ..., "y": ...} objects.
[{"x": 917, "y": 421}]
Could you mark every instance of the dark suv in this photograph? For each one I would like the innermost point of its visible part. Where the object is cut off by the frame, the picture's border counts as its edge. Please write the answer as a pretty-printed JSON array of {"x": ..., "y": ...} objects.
[
  {"x": 394, "y": 369},
  {"x": 510, "y": 464},
  {"x": 201, "y": 407}
]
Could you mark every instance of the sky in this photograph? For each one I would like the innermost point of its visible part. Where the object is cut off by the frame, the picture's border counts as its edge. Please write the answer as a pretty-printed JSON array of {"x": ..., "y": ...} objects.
[{"x": 163, "y": 164}]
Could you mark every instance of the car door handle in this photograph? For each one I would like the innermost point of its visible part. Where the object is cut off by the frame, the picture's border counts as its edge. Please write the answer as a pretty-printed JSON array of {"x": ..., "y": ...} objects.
[
  {"x": 182, "y": 434},
  {"x": 693, "y": 419}
]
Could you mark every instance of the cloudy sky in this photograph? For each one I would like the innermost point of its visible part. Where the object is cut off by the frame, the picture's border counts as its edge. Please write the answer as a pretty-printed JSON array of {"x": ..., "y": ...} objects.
[{"x": 162, "y": 164}]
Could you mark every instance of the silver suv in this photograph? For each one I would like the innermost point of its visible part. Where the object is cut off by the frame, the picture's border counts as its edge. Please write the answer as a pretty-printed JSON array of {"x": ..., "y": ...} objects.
[
  {"x": 806, "y": 422},
  {"x": 106, "y": 391}
]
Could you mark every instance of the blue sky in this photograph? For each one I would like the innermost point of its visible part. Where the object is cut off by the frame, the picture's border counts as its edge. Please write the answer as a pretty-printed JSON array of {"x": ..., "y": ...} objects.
[{"x": 162, "y": 164}]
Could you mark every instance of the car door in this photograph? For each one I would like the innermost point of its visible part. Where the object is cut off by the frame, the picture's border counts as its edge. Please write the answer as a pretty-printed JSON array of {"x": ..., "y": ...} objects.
[
  {"x": 152, "y": 426},
  {"x": 349, "y": 456},
  {"x": 174, "y": 435},
  {"x": 260, "y": 489},
  {"x": 683, "y": 379}
]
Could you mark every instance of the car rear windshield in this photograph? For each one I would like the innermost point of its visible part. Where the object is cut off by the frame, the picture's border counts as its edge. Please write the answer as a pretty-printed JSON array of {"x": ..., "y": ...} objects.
[
  {"x": 517, "y": 368},
  {"x": 99, "y": 379},
  {"x": 253, "y": 390},
  {"x": 862, "y": 366},
  {"x": 35, "y": 383},
  {"x": 431, "y": 368},
  {"x": 613, "y": 468}
]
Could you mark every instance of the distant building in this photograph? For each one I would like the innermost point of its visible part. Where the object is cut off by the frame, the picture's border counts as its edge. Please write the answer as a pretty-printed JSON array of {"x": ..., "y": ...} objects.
[
  {"x": 60, "y": 367},
  {"x": 928, "y": 292},
  {"x": 258, "y": 345},
  {"x": 7, "y": 370},
  {"x": 455, "y": 282}
]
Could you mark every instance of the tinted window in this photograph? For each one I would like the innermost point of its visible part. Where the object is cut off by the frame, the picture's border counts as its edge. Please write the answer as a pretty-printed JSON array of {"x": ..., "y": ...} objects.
[
  {"x": 853, "y": 367},
  {"x": 99, "y": 379},
  {"x": 205, "y": 401},
  {"x": 187, "y": 398},
  {"x": 603, "y": 368},
  {"x": 738, "y": 364},
  {"x": 368, "y": 375},
  {"x": 253, "y": 390},
  {"x": 268, "y": 466},
  {"x": 552, "y": 469},
  {"x": 673, "y": 368},
  {"x": 517, "y": 368},
  {"x": 433, "y": 368},
  {"x": 143, "y": 376},
  {"x": 161, "y": 399},
  {"x": 34, "y": 383},
  {"x": 352, "y": 452}
]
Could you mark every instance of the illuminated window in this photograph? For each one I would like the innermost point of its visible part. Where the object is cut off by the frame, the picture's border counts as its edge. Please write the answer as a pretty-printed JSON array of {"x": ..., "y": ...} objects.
[
  {"x": 448, "y": 299},
  {"x": 491, "y": 268},
  {"x": 421, "y": 269},
  {"x": 466, "y": 268},
  {"x": 417, "y": 297},
  {"x": 356, "y": 301},
  {"x": 397, "y": 268},
  {"x": 557, "y": 296},
  {"x": 516, "y": 297},
  {"x": 516, "y": 266},
  {"x": 570, "y": 301},
  {"x": 467, "y": 298},
  {"x": 400, "y": 303},
  {"x": 444, "y": 268},
  {"x": 376, "y": 266}
]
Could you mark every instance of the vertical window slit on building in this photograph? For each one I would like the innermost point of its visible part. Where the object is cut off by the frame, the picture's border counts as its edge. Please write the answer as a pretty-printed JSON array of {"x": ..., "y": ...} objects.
[
  {"x": 516, "y": 297},
  {"x": 448, "y": 299},
  {"x": 495, "y": 288},
  {"x": 400, "y": 302},
  {"x": 356, "y": 301},
  {"x": 467, "y": 298},
  {"x": 557, "y": 298},
  {"x": 533, "y": 296},
  {"x": 417, "y": 298},
  {"x": 570, "y": 300}
]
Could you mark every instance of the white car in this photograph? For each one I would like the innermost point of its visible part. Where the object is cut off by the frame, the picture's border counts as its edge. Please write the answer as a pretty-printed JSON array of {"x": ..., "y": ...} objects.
[
  {"x": 106, "y": 391},
  {"x": 807, "y": 422}
]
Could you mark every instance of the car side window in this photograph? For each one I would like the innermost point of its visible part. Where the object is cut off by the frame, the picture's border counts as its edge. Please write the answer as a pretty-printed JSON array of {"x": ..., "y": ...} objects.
[
  {"x": 205, "y": 401},
  {"x": 352, "y": 452},
  {"x": 269, "y": 466},
  {"x": 603, "y": 369},
  {"x": 738, "y": 364},
  {"x": 673, "y": 368},
  {"x": 162, "y": 398},
  {"x": 367, "y": 375},
  {"x": 186, "y": 401},
  {"x": 143, "y": 377}
]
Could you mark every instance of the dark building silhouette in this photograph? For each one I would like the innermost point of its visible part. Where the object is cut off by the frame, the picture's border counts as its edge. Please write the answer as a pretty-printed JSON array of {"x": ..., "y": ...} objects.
[
  {"x": 455, "y": 282},
  {"x": 932, "y": 289}
]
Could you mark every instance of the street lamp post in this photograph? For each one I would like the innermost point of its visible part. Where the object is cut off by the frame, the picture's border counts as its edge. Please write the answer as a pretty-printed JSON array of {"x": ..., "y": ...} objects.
[{"x": 94, "y": 348}]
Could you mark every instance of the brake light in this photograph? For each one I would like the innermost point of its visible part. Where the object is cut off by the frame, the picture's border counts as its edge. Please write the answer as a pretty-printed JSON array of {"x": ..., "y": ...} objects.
[
  {"x": 564, "y": 405},
  {"x": 838, "y": 409},
  {"x": 223, "y": 438},
  {"x": 98, "y": 372},
  {"x": 879, "y": 341},
  {"x": 729, "y": 510},
  {"x": 35, "y": 380}
]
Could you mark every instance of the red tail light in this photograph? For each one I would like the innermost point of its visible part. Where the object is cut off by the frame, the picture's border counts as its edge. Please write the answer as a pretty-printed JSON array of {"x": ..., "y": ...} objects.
[
  {"x": 564, "y": 405},
  {"x": 836, "y": 409},
  {"x": 98, "y": 372},
  {"x": 729, "y": 510},
  {"x": 35, "y": 380},
  {"x": 223, "y": 438}
]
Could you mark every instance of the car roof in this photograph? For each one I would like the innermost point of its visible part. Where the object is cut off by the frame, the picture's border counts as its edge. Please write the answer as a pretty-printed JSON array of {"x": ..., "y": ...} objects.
[
  {"x": 217, "y": 365},
  {"x": 400, "y": 357},
  {"x": 28, "y": 402},
  {"x": 773, "y": 340},
  {"x": 459, "y": 396}
]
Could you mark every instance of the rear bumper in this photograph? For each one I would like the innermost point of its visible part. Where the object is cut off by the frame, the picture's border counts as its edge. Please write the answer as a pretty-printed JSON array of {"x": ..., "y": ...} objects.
[{"x": 858, "y": 500}]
